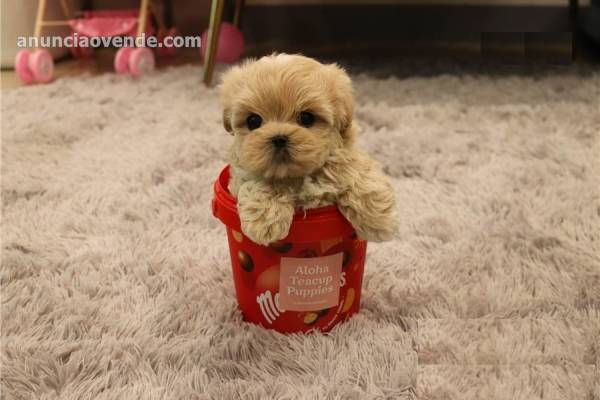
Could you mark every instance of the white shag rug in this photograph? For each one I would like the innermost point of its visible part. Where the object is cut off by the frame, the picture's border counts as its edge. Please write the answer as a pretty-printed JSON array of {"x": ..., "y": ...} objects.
[{"x": 116, "y": 280}]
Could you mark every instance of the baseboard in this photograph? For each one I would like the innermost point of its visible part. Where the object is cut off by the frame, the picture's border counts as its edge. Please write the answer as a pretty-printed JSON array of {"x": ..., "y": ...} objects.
[
  {"x": 475, "y": 29},
  {"x": 517, "y": 3}
]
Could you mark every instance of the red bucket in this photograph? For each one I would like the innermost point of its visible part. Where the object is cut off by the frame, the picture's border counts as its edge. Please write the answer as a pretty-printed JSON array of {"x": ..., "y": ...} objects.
[{"x": 311, "y": 280}]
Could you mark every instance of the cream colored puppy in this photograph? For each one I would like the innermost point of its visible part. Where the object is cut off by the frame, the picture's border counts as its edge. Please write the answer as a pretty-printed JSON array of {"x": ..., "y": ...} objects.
[{"x": 292, "y": 120}]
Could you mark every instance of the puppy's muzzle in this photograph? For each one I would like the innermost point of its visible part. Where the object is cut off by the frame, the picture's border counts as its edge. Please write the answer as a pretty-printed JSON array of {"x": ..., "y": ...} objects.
[
  {"x": 280, "y": 142},
  {"x": 281, "y": 146}
]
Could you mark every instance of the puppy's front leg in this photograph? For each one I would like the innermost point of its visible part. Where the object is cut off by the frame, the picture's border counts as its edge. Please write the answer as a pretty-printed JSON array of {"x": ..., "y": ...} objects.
[
  {"x": 265, "y": 215},
  {"x": 370, "y": 206}
]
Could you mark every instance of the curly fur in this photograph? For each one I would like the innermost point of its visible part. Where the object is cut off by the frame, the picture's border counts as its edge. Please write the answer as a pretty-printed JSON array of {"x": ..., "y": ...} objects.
[
  {"x": 116, "y": 280},
  {"x": 322, "y": 165}
]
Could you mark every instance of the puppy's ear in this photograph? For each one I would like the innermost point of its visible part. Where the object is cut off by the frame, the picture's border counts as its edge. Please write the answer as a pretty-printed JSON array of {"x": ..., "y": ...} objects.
[
  {"x": 227, "y": 120},
  {"x": 343, "y": 102},
  {"x": 229, "y": 87}
]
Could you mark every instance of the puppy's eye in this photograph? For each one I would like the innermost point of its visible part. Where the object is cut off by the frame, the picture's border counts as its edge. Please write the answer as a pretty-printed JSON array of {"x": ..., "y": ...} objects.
[
  {"x": 306, "y": 118},
  {"x": 253, "y": 121}
]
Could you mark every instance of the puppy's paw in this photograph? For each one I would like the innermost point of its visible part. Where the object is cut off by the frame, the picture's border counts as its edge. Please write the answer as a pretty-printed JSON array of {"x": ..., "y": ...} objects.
[
  {"x": 265, "y": 215},
  {"x": 266, "y": 231},
  {"x": 371, "y": 210}
]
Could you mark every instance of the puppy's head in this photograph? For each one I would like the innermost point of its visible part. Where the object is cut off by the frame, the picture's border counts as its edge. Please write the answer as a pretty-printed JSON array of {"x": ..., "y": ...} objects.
[{"x": 287, "y": 113}]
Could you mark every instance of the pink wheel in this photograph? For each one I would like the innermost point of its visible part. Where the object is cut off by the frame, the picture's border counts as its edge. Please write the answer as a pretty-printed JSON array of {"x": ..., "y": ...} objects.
[
  {"x": 122, "y": 60},
  {"x": 230, "y": 44},
  {"x": 163, "y": 49},
  {"x": 141, "y": 61},
  {"x": 41, "y": 66},
  {"x": 22, "y": 67}
]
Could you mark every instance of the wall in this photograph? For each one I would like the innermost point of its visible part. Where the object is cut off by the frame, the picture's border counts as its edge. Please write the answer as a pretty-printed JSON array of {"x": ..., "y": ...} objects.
[{"x": 191, "y": 16}]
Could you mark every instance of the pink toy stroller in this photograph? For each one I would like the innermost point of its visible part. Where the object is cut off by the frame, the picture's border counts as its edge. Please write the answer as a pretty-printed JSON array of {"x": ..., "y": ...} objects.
[{"x": 38, "y": 66}]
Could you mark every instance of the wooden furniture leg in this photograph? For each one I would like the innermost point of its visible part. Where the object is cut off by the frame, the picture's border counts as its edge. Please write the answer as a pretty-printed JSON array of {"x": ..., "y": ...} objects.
[
  {"x": 237, "y": 13},
  {"x": 39, "y": 18},
  {"x": 142, "y": 19},
  {"x": 160, "y": 19},
  {"x": 573, "y": 16},
  {"x": 66, "y": 8},
  {"x": 214, "y": 26}
]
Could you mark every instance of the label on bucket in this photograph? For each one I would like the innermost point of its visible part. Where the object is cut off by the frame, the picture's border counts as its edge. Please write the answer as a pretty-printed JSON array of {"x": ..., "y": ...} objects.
[{"x": 310, "y": 284}]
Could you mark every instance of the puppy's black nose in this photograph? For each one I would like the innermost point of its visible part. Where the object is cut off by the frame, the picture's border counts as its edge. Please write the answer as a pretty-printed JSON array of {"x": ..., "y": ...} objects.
[{"x": 279, "y": 141}]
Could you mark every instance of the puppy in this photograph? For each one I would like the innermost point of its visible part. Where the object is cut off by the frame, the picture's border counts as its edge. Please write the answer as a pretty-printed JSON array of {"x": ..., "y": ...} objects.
[{"x": 292, "y": 121}]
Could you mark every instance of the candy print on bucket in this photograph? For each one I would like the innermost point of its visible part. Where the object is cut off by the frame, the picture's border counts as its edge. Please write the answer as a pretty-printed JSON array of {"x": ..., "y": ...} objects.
[{"x": 311, "y": 280}]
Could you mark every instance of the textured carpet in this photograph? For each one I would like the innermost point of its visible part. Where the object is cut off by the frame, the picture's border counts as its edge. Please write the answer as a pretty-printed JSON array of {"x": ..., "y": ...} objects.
[{"x": 116, "y": 282}]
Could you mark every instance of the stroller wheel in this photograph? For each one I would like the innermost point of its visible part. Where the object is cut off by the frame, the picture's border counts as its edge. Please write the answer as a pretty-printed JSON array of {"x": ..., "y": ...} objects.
[
  {"x": 141, "y": 61},
  {"x": 41, "y": 66},
  {"x": 22, "y": 67},
  {"x": 121, "y": 63}
]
